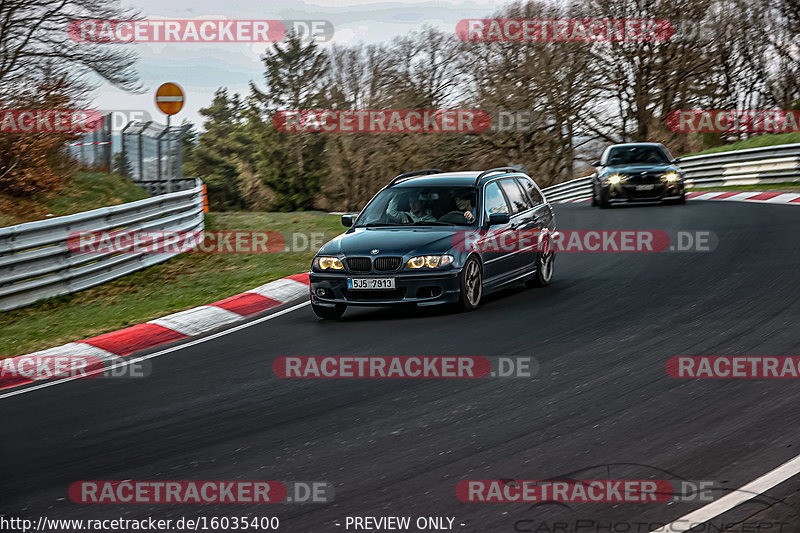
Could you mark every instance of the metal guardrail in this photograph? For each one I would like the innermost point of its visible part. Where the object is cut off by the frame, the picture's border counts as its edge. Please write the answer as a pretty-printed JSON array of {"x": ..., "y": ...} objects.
[
  {"x": 36, "y": 263},
  {"x": 157, "y": 187},
  {"x": 753, "y": 166}
]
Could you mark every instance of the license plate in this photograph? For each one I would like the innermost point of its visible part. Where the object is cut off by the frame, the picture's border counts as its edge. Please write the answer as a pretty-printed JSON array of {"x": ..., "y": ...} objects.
[
  {"x": 370, "y": 283},
  {"x": 648, "y": 187}
]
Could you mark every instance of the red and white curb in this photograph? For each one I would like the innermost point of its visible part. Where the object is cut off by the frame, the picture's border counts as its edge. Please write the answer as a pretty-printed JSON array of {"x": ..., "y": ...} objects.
[
  {"x": 788, "y": 198},
  {"x": 733, "y": 196},
  {"x": 111, "y": 347}
]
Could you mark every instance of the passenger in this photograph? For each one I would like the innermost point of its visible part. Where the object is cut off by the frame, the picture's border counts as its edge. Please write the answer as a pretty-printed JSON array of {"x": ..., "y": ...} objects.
[{"x": 416, "y": 213}]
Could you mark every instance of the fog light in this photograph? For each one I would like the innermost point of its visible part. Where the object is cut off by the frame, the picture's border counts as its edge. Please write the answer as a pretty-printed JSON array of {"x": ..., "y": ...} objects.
[{"x": 321, "y": 292}]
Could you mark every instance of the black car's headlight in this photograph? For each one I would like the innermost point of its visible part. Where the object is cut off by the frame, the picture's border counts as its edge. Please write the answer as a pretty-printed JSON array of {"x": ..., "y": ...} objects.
[
  {"x": 328, "y": 263},
  {"x": 429, "y": 261},
  {"x": 613, "y": 179},
  {"x": 671, "y": 177}
]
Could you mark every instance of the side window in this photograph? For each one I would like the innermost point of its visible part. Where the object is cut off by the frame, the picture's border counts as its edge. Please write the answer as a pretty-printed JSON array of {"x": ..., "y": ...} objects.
[
  {"x": 533, "y": 192},
  {"x": 494, "y": 201},
  {"x": 519, "y": 202}
]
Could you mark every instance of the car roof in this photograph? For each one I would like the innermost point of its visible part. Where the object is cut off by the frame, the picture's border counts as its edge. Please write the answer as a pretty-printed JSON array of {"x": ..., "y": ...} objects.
[
  {"x": 636, "y": 144},
  {"x": 464, "y": 178}
]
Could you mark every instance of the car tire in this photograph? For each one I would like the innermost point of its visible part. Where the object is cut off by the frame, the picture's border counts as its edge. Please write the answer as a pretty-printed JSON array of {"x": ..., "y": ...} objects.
[
  {"x": 604, "y": 202},
  {"x": 329, "y": 313},
  {"x": 545, "y": 261},
  {"x": 682, "y": 199},
  {"x": 594, "y": 197},
  {"x": 471, "y": 281}
]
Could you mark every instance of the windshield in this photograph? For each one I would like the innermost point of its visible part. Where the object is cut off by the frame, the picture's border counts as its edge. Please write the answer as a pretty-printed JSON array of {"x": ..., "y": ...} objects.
[
  {"x": 637, "y": 155},
  {"x": 421, "y": 206}
]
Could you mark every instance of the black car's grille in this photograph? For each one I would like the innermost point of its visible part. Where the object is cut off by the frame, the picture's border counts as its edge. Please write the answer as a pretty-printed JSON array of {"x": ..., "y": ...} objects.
[
  {"x": 648, "y": 177},
  {"x": 359, "y": 264},
  {"x": 361, "y": 295},
  {"x": 385, "y": 264}
]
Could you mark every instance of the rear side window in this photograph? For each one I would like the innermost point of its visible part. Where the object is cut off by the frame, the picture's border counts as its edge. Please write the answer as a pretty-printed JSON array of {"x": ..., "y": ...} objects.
[
  {"x": 533, "y": 192},
  {"x": 519, "y": 202},
  {"x": 494, "y": 202}
]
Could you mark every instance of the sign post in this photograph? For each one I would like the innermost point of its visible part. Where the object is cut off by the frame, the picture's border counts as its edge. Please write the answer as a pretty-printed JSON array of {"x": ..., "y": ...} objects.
[{"x": 169, "y": 99}]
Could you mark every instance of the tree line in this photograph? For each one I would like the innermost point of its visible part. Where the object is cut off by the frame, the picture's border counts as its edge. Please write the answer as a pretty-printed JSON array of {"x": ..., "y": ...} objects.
[
  {"x": 723, "y": 54},
  {"x": 577, "y": 96}
]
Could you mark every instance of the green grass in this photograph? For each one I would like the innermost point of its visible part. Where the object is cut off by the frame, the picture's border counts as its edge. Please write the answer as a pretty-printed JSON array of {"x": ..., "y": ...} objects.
[
  {"x": 758, "y": 141},
  {"x": 182, "y": 282},
  {"x": 85, "y": 191}
]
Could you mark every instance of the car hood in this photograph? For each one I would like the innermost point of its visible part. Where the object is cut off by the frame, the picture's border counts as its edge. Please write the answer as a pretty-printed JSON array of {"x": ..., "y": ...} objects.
[
  {"x": 392, "y": 241},
  {"x": 633, "y": 169}
]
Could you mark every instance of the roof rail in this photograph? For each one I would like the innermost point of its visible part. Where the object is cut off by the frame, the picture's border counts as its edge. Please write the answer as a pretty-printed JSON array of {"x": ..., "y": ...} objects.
[
  {"x": 504, "y": 170},
  {"x": 415, "y": 173}
]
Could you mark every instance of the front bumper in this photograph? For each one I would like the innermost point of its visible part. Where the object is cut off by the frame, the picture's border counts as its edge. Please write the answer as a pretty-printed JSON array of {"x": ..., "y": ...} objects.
[
  {"x": 421, "y": 288},
  {"x": 627, "y": 192}
]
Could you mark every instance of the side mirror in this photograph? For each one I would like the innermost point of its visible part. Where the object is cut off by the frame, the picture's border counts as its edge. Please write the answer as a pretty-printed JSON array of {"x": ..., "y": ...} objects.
[
  {"x": 347, "y": 221},
  {"x": 497, "y": 219},
  {"x": 674, "y": 161},
  {"x": 596, "y": 163}
]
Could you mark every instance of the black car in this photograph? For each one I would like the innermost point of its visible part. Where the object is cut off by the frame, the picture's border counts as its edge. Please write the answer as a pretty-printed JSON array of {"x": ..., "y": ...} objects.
[
  {"x": 637, "y": 172},
  {"x": 431, "y": 237}
]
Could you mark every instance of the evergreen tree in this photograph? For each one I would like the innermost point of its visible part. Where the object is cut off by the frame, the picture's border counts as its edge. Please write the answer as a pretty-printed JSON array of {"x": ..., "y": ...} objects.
[
  {"x": 291, "y": 164},
  {"x": 220, "y": 151}
]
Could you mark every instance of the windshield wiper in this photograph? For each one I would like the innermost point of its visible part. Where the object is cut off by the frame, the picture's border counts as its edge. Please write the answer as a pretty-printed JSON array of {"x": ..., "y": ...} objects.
[
  {"x": 433, "y": 223},
  {"x": 379, "y": 224}
]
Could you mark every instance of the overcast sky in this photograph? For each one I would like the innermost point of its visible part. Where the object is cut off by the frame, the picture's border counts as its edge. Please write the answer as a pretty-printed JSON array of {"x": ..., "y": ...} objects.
[{"x": 200, "y": 68}]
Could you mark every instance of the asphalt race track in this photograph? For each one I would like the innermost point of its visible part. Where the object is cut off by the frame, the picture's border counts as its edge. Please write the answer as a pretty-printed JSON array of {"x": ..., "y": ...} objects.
[{"x": 601, "y": 405}]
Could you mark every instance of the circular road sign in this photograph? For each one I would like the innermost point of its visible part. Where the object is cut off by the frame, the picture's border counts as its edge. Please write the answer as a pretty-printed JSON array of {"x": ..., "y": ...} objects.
[{"x": 169, "y": 98}]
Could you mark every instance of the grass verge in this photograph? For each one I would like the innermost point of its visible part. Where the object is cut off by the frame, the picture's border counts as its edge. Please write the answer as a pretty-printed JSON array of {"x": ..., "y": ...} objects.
[
  {"x": 181, "y": 283},
  {"x": 758, "y": 141},
  {"x": 85, "y": 191}
]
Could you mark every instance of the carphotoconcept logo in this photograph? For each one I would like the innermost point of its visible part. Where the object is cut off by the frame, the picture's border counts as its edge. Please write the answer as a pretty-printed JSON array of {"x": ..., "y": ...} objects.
[{"x": 586, "y": 30}]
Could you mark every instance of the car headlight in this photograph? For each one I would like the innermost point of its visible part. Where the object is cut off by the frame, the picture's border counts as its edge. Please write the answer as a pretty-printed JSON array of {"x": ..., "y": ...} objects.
[
  {"x": 671, "y": 177},
  {"x": 328, "y": 263},
  {"x": 429, "y": 261},
  {"x": 613, "y": 179}
]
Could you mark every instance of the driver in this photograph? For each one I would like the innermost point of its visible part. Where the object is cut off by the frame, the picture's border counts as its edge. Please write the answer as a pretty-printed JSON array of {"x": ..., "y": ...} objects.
[
  {"x": 464, "y": 204},
  {"x": 416, "y": 210}
]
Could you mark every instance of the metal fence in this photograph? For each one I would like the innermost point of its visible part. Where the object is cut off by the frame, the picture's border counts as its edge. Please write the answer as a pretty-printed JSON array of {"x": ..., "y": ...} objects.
[
  {"x": 754, "y": 166},
  {"x": 152, "y": 155},
  {"x": 36, "y": 263},
  {"x": 93, "y": 149}
]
